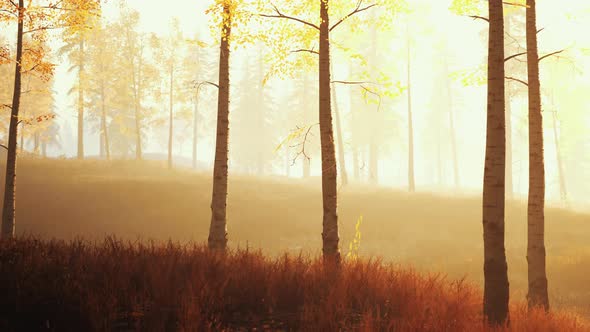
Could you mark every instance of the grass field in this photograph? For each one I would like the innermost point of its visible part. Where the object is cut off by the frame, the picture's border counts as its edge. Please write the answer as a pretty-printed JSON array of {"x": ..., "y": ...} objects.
[{"x": 68, "y": 199}]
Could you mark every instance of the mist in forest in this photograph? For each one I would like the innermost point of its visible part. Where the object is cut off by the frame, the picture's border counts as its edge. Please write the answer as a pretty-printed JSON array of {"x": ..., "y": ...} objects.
[
  {"x": 447, "y": 74},
  {"x": 389, "y": 126}
]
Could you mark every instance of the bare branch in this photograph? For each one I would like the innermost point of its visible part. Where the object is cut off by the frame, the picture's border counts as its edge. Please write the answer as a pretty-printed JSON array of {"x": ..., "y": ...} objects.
[
  {"x": 44, "y": 29},
  {"x": 281, "y": 15},
  {"x": 514, "y": 56},
  {"x": 199, "y": 84},
  {"x": 354, "y": 82},
  {"x": 303, "y": 144},
  {"x": 517, "y": 80},
  {"x": 357, "y": 10},
  {"x": 539, "y": 31},
  {"x": 550, "y": 54},
  {"x": 362, "y": 85},
  {"x": 6, "y": 106},
  {"x": 475, "y": 17},
  {"x": 9, "y": 12},
  {"x": 514, "y": 4},
  {"x": 4, "y": 146},
  {"x": 305, "y": 50}
]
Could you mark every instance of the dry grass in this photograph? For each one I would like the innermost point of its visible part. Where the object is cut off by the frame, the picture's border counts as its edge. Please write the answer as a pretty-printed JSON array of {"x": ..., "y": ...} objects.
[
  {"x": 113, "y": 285},
  {"x": 66, "y": 199}
]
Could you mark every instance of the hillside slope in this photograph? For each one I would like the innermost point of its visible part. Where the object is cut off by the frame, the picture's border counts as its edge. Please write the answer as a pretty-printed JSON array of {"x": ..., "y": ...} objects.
[{"x": 66, "y": 199}]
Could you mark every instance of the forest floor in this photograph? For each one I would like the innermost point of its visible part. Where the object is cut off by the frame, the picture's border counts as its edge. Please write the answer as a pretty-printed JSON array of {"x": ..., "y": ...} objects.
[{"x": 434, "y": 234}]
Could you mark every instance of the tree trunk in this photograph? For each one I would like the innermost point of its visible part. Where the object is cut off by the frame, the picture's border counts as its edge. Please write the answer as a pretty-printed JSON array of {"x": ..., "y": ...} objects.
[
  {"x": 260, "y": 110},
  {"x": 44, "y": 149},
  {"x": 355, "y": 148},
  {"x": 373, "y": 161},
  {"x": 341, "y": 156},
  {"x": 411, "y": 179},
  {"x": 287, "y": 163},
  {"x": 330, "y": 236},
  {"x": 218, "y": 230},
  {"x": 81, "y": 101},
  {"x": 496, "y": 288},
  {"x": 8, "y": 210},
  {"x": 452, "y": 132},
  {"x": 101, "y": 143},
  {"x": 195, "y": 128},
  {"x": 22, "y": 134},
  {"x": 509, "y": 166},
  {"x": 36, "y": 143},
  {"x": 103, "y": 121},
  {"x": 355, "y": 163},
  {"x": 306, "y": 161},
  {"x": 136, "y": 76},
  {"x": 439, "y": 161},
  {"x": 561, "y": 174},
  {"x": 509, "y": 161},
  {"x": 171, "y": 128},
  {"x": 537, "y": 275}
]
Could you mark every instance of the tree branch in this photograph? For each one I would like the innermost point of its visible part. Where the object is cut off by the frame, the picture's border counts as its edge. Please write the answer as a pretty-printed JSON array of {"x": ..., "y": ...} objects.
[
  {"x": 475, "y": 17},
  {"x": 9, "y": 12},
  {"x": 354, "y": 82},
  {"x": 550, "y": 54},
  {"x": 516, "y": 80},
  {"x": 281, "y": 15},
  {"x": 357, "y": 10},
  {"x": 362, "y": 85},
  {"x": 44, "y": 29},
  {"x": 303, "y": 144},
  {"x": 199, "y": 84},
  {"x": 514, "y": 56},
  {"x": 514, "y": 4},
  {"x": 305, "y": 50}
]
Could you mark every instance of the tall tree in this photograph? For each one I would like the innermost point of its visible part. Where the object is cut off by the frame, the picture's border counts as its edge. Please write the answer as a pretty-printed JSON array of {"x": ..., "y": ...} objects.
[
  {"x": 37, "y": 19},
  {"x": 137, "y": 74},
  {"x": 75, "y": 48},
  {"x": 537, "y": 275},
  {"x": 341, "y": 154},
  {"x": 218, "y": 229},
  {"x": 101, "y": 77},
  {"x": 323, "y": 30},
  {"x": 411, "y": 175},
  {"x": 167, "y": 51},
  {"x": 8, "y": 210},
  {"x": 496, "y": 288}
]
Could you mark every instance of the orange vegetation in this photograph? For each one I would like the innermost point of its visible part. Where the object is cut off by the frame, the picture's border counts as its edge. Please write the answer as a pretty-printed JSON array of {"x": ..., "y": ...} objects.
[{"x": 116, "y": 285}]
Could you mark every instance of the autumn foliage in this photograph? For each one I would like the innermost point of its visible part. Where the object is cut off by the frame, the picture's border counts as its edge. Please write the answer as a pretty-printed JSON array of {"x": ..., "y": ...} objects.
[{"x": 116, "y": 285}]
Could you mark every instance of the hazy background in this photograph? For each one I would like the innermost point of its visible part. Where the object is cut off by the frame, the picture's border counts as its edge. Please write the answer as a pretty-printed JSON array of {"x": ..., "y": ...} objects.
[{"x": 437, "y": 35}]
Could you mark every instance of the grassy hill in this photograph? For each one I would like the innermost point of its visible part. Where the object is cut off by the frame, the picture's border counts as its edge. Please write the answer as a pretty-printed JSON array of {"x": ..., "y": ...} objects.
[{"x": 68, "y": 199}]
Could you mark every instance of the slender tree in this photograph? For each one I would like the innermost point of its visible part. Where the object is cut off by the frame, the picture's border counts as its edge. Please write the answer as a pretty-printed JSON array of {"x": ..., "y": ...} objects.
[
  {"x": 8, "y": 210},
  {"x": 558, "y": 157},
  {"x": 72, "y": 13},
  {"x": 496, "y": 288},
  {"x": 330, "y": 235},
  {"x": 452, "y": 130},
  {"x": 411, "y": 176},
  {"x": 218, "y": 229},
  {"x": 537, "y": 275},
  {"x": 341, "y": 154}
]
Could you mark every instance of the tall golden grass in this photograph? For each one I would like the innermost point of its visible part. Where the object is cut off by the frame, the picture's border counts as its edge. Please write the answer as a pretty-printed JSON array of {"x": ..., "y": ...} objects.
[{"x": 127, "y": 286}]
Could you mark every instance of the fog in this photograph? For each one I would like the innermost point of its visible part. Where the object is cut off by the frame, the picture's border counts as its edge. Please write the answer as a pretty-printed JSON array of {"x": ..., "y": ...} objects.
[{"x": 121, "y": 134}]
